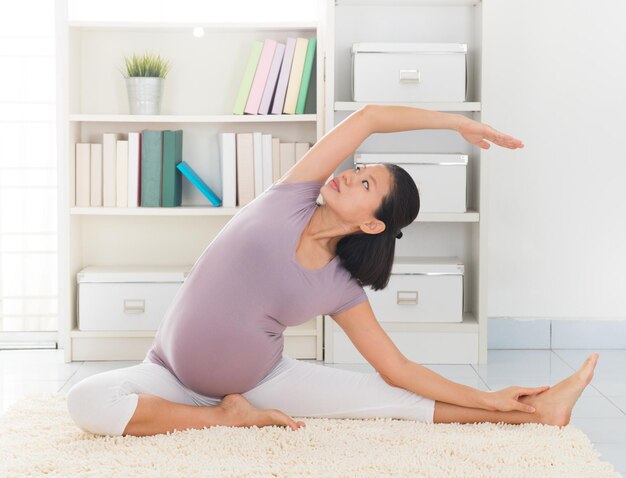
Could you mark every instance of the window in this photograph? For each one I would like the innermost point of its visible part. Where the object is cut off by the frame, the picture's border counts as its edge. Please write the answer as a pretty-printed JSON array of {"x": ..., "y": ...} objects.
[{"x": 28, "y": 172}]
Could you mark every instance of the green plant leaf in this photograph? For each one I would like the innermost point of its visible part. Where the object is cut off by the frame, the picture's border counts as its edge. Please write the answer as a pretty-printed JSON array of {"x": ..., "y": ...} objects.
[{"x": 147, "y": 65}]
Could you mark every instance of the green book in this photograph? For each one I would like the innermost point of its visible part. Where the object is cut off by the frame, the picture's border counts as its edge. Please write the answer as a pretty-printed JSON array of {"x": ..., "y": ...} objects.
[
  {"x": 172, "y": 177},
  {"x": 306, "y": 75},
  {"x": 151, "y": 167},
  {"x": 248, "y": 77}
]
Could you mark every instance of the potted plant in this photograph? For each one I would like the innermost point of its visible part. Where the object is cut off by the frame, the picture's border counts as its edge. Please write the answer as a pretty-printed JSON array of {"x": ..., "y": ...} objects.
[{"x": 145, "y": 77}]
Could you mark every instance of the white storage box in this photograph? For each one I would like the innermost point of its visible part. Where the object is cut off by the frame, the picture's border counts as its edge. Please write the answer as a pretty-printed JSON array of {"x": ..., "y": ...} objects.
[
  {"x": 441, "y": 179},
  {"x": 409, "y": 72},
  {"x": 421, "y": 289},
  {"x": 126, "y": 298}
]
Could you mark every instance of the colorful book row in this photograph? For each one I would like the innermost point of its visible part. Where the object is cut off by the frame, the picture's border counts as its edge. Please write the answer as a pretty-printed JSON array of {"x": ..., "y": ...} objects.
[
  {"x": 277, "y": 77},
  {"x": 145, "y": 169}
]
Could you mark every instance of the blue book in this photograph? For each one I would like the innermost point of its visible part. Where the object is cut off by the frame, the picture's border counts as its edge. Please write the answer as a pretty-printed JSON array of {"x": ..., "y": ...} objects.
[{"x": 197, "y": 181}]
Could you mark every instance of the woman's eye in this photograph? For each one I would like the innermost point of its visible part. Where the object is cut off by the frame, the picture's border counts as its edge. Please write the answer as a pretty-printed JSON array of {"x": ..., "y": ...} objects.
[{"x": 367, "y": 184}]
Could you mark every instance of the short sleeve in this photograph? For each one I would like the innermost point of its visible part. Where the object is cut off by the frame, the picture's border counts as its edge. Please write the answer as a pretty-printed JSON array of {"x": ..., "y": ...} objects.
[{"x": 354, "y": 294}]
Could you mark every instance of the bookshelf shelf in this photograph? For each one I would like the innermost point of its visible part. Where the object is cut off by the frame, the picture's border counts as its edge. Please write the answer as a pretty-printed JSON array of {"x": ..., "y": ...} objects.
[
  {"x": 470, "y": 216},
  {"x": 105, "y": 118},
  {"x": 156, "y": 211},
  {"x": 184, "y": 26}
]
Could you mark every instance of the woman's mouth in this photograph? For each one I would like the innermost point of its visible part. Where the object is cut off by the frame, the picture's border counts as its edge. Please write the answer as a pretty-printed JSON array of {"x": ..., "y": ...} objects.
[{"x": 334, "y": 184}]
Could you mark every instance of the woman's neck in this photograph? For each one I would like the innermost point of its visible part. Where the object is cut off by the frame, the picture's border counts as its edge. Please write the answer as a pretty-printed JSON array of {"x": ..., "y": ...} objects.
[{"x": 325, "y": 229}]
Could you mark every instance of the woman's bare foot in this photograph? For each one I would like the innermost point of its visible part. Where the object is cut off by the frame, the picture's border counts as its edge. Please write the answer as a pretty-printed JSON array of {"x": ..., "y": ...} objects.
[
  {"x": 554, "y": 406},
  {"x": 240, "y": 413}
]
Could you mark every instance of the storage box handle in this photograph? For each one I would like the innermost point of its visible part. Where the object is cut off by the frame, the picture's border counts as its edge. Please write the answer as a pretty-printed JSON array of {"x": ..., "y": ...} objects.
[
  {"x": 410, "y": 76},
  {"x": 134, "y": 306},
  {"x": 407, "y": 297}
]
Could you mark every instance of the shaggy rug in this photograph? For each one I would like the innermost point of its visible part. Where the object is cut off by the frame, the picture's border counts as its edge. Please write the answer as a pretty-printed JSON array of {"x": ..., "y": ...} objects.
[{"x": 38, "y": 438}]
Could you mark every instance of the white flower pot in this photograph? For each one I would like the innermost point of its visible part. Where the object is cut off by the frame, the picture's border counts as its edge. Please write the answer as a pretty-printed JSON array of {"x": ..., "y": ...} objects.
[{"x": 144, "y": 95}]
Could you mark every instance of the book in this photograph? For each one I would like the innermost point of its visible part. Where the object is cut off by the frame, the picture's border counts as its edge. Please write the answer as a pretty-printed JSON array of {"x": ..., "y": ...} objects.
[
  {"x": 275, "y": 160},
  {"x": 287, "y": 157},
  {"x": 109, "y": 167},
  {"x": 260, "y": 77},
  {"x": 267, "y": 160},
  {"x": 272, "y": 79},
  {"x": 172, "y": 179},
  {"x": 134, "y": 169},
  {"x": 96, "y": 175},
  {"x": 228, "y": 166},
  {"x": 257, "y": 154},
  {"x": 122, "y": 174},
  {"x": 83, "y": 175},
  {"x": 306, "y": 75},
  {"x": 197, "y": 181},
  {"x": 245, "y": 169},
  {"x": 310, "y": 105},
  {"x": 283, "y": 77},
  {"x": 248, "y": 77},
  {"x": 295, "y": 77},
  {"x": 151, "y": 168}
]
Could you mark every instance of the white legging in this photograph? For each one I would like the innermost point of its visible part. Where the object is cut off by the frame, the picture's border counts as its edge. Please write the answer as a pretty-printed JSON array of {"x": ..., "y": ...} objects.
[{"x": 104, "y": 403}]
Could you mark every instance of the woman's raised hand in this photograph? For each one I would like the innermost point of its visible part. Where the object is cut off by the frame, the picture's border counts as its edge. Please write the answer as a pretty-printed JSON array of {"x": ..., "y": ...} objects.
[{"x": 477, "y": 134}]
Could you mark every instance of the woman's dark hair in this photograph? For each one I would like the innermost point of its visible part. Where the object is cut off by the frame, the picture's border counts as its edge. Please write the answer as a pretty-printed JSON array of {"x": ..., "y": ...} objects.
[{"x": 369, "y": 257}]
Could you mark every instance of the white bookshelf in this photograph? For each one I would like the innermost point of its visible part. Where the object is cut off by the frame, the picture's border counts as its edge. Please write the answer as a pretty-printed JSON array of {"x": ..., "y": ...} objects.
[
  {"x": 199, "y": 96},
  {"x": 462, "y": 235},
  {"x": 92, "y": 100}
]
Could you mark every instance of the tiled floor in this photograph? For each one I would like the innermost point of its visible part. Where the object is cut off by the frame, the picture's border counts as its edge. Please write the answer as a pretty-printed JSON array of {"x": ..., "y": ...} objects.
[{"x": 600, "y": 411}]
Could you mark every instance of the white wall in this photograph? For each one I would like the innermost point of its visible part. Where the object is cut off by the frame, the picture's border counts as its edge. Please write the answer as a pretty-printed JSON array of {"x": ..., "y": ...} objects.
[{"x": 555, "y": 76}]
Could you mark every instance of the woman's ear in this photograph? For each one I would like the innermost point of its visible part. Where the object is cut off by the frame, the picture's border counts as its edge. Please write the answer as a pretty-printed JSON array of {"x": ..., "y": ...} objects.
[{"x": 373, "y": 227}]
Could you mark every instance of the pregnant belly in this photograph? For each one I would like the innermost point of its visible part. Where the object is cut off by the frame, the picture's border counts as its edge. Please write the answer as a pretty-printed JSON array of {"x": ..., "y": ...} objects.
[{"x": 227, "y": 363}]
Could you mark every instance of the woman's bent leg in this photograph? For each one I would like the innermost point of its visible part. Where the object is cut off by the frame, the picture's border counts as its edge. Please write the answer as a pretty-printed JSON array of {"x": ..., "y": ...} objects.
[
  {"x": 147, "y": 395},
  {"x": 304, "y": 389},
  {"x": 148, "y": 400}
]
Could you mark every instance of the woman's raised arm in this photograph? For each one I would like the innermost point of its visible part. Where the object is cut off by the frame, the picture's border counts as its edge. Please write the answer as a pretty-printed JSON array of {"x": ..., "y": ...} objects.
[
  {"x": 343, "y": 140},
  {"x": 331, "y": 150}
]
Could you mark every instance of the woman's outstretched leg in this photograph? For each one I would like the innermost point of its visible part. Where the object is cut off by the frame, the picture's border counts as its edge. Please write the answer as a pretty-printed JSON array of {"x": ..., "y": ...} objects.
[{"x": 553, "y": 407}]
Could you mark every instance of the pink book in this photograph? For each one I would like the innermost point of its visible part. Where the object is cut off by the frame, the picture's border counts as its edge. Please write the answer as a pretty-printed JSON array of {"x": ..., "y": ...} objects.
[
  {"x": 260, "y": 77},
  {"x": 283, "y": 78},
  {"x": 272, "y": 79}
]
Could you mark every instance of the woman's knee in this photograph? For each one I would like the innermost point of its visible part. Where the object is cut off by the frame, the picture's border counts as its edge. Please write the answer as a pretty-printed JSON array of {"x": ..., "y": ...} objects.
[{"x": 100, "y": 407}]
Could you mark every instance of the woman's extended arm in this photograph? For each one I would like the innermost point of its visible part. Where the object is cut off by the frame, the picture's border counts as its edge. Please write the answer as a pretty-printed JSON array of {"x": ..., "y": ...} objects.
[
  {"x": 341, "y": 141},
  {"x": 388, "y": 119},
  {"x": 423, "y": 381},
  {"x": 370, "y": 339}
]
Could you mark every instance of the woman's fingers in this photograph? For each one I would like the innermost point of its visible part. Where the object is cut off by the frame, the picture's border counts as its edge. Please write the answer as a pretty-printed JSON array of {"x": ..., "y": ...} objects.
[
  {"x": 533, "y": 391},
  {"x": 502, "y": 139}
]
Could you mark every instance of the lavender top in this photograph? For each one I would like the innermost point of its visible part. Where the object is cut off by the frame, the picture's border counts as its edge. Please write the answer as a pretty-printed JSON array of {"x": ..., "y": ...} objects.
[{"x": 224, "y": 329}]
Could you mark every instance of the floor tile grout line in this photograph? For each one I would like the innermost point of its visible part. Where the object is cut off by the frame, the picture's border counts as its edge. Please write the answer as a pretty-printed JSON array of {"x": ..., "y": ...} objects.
[
  {"x": 592, "y": 385},
  {"x": 70, "y": 377},
  {"x": 479, "y": 377}
]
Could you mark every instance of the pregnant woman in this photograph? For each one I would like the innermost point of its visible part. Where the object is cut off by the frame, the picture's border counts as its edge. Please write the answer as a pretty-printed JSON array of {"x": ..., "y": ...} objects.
[{"x": 217, "y": 358}]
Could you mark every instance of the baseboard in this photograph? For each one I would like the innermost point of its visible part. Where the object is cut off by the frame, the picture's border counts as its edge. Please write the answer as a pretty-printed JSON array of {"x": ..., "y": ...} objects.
[{"x": 508, "y": 333}]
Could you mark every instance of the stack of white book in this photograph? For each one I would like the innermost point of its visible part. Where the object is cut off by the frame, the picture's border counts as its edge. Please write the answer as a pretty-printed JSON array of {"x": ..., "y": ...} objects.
[
  {"x": 107, "y": 174},
  {"x": 251, "y": 162}
]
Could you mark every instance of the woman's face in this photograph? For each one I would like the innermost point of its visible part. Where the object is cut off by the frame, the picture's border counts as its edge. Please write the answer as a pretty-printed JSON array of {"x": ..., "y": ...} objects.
[{"x": 360, "y": 192}]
